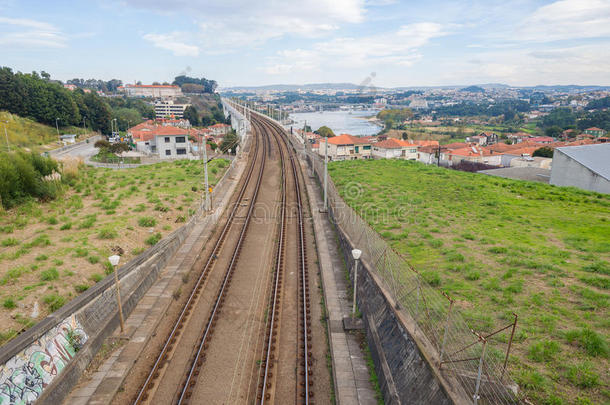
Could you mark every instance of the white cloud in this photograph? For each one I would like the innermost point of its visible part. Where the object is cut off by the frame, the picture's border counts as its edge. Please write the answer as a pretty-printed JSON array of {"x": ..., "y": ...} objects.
[
  {"x": 23, "y": 32},
  {"x": 172, "y": 42},
  {"x": 401, "y": 47},
  {"x": 567, "y": 19},
  {"x": 245, "y": 23}
]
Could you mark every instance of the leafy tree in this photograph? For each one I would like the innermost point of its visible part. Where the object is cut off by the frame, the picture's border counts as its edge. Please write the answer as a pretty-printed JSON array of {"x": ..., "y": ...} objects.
[
  {"x": 325, "y": 132},
  {"x": 561, "y": 117},
  {"x": 599, "y": 103},
  {"x": 229, "y": 142},
  {"x": 191, "y": 114},
  {"x": 126, "y": 117},
  {"x": 553, "y": 131},
  {"x": 545, "y": 151},
  {"x": 209, "y": 86},
  {"x": 405, "y": 136},
  {"x": 306, "y": 128}
]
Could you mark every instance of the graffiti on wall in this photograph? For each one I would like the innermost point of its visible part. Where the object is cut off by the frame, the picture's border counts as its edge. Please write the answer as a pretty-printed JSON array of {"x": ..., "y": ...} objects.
[{"x": 25, "y": 375}]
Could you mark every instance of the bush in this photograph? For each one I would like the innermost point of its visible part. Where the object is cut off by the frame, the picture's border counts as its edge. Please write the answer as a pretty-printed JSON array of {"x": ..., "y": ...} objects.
[
  {"x": 81, "y": 288},
  {"x": 10, "y": 242},
  {"x": 54, "y": 301},
  {"x": 543, "y": 351},
  {"x": 21, "y": 177},
  {"x": 153, "y": 239},
  {"x": 9, "y": 303},
  {"x": 66, "y": 226},
  {"x": 107, "y": 232},
  {"x": 49, "y": 275},
  {"x": 147, "y": 222},
  {"x": 582, "y": 375},
  {"x": 593, "y": 343},
  {"x": 93, "y": 259}
]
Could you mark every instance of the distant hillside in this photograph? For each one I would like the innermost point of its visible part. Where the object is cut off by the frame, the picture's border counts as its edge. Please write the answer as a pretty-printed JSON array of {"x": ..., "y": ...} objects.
[
  {"x": 292, "y": 87},
  {"x": 24, "y": 132},
  {"x": 473, "y": 89}
]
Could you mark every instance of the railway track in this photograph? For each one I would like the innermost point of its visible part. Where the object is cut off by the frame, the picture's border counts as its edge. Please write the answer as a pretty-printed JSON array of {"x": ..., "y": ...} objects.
[
  {"x": 185, "y": 377},
  {"x": 304, "y": 354},
  {"x": 161, "y": 361}
]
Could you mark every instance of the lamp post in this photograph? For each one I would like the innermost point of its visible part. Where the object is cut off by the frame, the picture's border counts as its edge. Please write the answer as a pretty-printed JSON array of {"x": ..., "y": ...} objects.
[
  {"x": 356, "y": 253},
  {"x": 114, "y": 261},
  {"x": 57, "y": 127}
]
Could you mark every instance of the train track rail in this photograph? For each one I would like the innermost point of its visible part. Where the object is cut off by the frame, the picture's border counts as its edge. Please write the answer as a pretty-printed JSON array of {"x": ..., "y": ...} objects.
[
  {"x": 161, "y": 361},
  {"x": 303, "y": 380}
]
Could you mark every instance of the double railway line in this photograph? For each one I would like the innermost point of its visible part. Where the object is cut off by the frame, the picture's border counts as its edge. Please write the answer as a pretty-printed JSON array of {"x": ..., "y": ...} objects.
[{"x": 271, "y": 361}]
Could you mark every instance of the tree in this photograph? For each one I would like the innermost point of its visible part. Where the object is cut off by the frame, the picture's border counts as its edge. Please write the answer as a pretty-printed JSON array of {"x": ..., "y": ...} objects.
[
  {"x": 405, "y": 136},
  {"x": 229, "y": 142},
  {"x": 545, "y": 151},
  {"x": 325, "y": 132},
  {"x": 126, "y": 117},
  {"x": 191, "y": 114},
  {"x": 553, "y": 131},
  {"x": 306, "y": 128}
]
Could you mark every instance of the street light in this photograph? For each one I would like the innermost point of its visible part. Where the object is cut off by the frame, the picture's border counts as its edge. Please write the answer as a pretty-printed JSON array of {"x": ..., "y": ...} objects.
[
  {"x": 114, "y": 261},
  {"x": 57, "y": 127},
  {"x": 356, "y": 255}
]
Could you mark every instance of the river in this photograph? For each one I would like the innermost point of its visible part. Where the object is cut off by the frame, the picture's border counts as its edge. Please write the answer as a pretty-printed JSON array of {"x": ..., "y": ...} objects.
[{"x": 341, "y": 122}]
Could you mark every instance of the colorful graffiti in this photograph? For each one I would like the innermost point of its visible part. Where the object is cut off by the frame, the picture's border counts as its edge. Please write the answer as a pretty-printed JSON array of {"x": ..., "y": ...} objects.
[{"x": 25, "y": 375}]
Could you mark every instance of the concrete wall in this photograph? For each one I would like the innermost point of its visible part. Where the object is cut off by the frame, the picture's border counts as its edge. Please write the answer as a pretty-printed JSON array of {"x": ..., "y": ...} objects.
[{"x": 568, "y": 172}]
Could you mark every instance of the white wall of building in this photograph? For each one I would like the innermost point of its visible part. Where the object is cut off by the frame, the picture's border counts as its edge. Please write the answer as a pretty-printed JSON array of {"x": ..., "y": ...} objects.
[{"x": 568, "y": 172}]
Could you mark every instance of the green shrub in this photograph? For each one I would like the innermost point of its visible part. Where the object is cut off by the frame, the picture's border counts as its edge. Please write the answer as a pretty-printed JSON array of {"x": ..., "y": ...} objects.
[
  {"x": 87, "y": 222},
  {"x": 473, "y": 275},
  {"x": 93, "y": 259},
  {"x": 97, "y": 277},
  {"x": 66, "y": 226},
  {"x": 52, "y": 221},
  {"x": 147, "y": 222},
  {"x": 49, "y": 275},
  {"x": 107, "y": 232},
  {"x": 599, "y": 282},
  {"x": 80, "y": 252},
  {"x": 54, "y": 301},
  {"x": 10, "y": 242},
  {"x": 81, "y": 288},
  {"x": 598, "y": 267},
  {"x": 543, "y": 351},
  {"x": 153, "y": 239},
  {"x": 582, "y": 375},
  {"x": 432, "y": 278},
  {"x": 108, "y": 269},
  {"x": 9, "y": 303},
  {"x": 593, "y": 343},
  {"x": 497, "y": 249}
]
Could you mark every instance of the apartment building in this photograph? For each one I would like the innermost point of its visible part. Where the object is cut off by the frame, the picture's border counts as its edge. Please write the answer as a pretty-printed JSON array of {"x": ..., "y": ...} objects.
[
  {"x": 139, "y": 90},
  {"x": 167, "y": 108}
]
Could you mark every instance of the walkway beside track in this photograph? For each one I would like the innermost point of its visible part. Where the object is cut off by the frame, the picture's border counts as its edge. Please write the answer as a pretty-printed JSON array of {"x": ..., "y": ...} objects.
[
  {"x": 350, "y": 372},
  {"x": 104, "y": 383}
]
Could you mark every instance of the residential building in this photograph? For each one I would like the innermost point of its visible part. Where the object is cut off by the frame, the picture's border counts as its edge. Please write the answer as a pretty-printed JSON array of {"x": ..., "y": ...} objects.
[
  {"x": 597, "y": 132},
  {"x": 394, "y": 149},
  {"x": 345, "y": 147},
  {"x": 542, "y": 139},
  {"x": 219, "y": 129},
  {"x": 172, "y": 143},
  {"x": 138, "y": 90},
  {"x": 167, "y": 108},
  {"x": 484, "y": 138},
  {"x": 586, "y": 167}
]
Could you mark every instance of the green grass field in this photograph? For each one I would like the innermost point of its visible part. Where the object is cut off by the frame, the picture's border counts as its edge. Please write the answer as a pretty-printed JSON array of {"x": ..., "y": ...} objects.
[
  {"x": 50, "y": 252},
  {"x": 499, "y": 246}
]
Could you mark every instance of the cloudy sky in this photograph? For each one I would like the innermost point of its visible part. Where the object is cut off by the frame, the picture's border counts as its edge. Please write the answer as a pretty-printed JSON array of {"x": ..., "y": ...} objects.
[{"x": 247, "y": 42}]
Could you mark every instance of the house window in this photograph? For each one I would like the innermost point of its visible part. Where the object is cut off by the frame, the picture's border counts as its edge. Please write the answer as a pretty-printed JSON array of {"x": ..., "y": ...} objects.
[
  {"x": 168, "y": 152},
  {"x": 180, "y": 139},
  {"x": 167, "y": 139},
  {"x": 181, "y": 151},
  {"x": 367, "y": 147}
]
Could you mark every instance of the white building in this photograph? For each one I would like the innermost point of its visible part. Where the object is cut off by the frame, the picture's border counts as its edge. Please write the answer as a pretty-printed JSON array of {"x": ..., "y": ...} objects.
[
  {"x": 345, "y": 147},
  {"x": 167, "y": 108},
  {"x": 586, "y": 167},
  {"x": 138, "y": 90},
  {"x": 394, "y": 149}
]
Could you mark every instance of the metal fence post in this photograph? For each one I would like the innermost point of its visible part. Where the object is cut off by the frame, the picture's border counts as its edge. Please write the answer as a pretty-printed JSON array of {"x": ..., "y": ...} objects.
[
  {"x": 510, "y": 342},
  {"x": 417, "y": 300},
  {"x": 478, "y": 385},
  {"x": 446, "y": 330}
]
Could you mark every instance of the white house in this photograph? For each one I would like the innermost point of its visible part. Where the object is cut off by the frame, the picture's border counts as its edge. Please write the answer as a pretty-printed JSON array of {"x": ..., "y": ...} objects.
[
  {"x": 345, "y": 147},
  {"x": 394, "y": 149}
]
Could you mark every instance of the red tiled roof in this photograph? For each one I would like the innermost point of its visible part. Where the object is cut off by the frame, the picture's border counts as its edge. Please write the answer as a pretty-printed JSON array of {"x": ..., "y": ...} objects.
[
  {"x": 346, "y": 139},
  {"x": 393, "y": 143},
  {"x": 594, "y": 129},
  {"x": 425, "y": 143}
]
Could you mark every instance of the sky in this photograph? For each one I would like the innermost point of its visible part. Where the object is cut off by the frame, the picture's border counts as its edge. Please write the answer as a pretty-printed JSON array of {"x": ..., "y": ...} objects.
[{"x": 385, "y": 43}]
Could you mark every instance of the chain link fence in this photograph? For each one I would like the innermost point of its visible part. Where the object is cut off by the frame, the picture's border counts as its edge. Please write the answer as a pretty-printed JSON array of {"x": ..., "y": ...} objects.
[{"x": 473, "y": 361}]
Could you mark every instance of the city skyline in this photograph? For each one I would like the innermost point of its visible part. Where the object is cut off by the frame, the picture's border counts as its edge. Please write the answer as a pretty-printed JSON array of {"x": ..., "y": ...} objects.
[{"x": 384, "y": 43}]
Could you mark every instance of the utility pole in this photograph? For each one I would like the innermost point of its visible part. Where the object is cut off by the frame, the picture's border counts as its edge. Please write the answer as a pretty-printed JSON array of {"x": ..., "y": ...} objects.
[
  {"x": 205, "y": 174},
  {"x": 438, "y": 159},
  {"x": 325, "y": 174}
]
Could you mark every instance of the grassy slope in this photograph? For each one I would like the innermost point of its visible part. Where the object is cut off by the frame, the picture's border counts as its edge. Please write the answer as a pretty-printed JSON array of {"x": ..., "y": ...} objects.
[
  {"x": 27, "y": 133},
  {"x": 497, "y": 246},
  {"x": 50, "y": 252}
]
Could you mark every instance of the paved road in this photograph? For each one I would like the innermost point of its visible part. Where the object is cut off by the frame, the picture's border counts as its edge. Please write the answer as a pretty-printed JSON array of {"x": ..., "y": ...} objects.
[{"x": 84, "y": 150}]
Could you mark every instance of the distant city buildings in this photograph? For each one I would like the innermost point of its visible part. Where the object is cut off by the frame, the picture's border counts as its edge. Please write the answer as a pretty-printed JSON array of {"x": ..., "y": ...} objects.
[{"x": 167, "y": 108}]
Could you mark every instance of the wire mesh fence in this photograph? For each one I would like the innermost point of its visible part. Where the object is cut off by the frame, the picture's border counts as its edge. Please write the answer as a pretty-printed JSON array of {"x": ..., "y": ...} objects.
[{"x": 473, "y": 361}]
